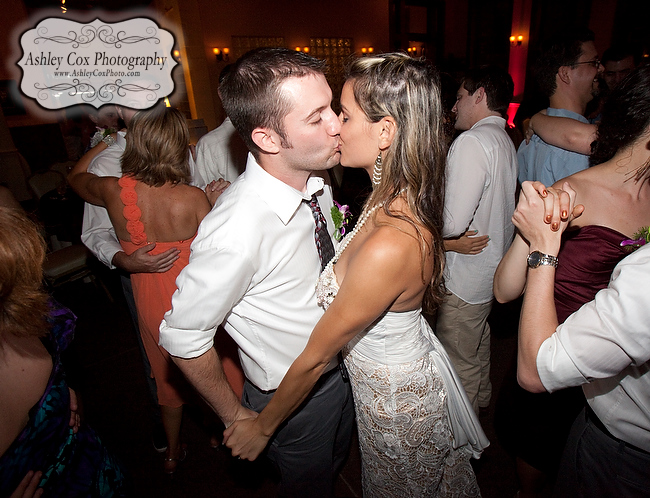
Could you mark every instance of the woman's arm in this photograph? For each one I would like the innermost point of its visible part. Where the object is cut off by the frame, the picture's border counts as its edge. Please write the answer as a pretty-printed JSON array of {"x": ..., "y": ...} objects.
[
  {"x": 510, "y": 276},
  {"x": 376, "y": 276},
  {"x": 538, "y": 315},
  {"x": 87, "y": 185},
  {"x": 565, "y": 133}
]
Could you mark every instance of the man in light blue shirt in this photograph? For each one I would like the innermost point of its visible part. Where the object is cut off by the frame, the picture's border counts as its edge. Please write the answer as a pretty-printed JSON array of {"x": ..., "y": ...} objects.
[{"x": 567, "y": 72}]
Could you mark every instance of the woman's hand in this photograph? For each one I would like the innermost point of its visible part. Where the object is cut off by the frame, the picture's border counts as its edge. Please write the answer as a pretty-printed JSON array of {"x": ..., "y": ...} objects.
[
  {"x": 468, "y": 243},
  {"x": 540, "y": 207},
  {"x": 75, "y": 419},
  {"x": 215, "y": 188},
  {"x": 530, "y": 129},
  {"x": 245, "y": 438},
  {"x": 28, "y": 487}
]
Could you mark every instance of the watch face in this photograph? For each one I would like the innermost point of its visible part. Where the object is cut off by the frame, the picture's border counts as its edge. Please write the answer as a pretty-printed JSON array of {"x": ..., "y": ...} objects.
[{"x": 534, "y": 259}]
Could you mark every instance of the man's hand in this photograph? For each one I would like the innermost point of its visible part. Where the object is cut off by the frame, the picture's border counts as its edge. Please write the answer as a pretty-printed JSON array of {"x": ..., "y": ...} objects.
[
  {"x": 246, "y": 439},
  {"x": 214, "y": 189},
  {"x": 28, "y": 486},
  {"x": 140, "y": 261},
  {"x": 468, "y": 243}
]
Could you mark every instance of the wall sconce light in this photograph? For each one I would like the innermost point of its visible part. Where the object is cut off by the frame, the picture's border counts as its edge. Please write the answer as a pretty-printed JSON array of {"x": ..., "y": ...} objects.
[
  {"x": 413, "y": 51},
  {"x": 303, "y": 49},
  {"x": 177, "y": 54},
  {"x": 516, "y": 40},
  {"x": 222, "y": 54},
  {"x": 367, "y": 50}
]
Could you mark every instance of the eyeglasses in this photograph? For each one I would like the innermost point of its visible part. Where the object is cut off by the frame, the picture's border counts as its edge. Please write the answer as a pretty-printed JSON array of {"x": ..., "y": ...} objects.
[{"x": 595, "y": 63}]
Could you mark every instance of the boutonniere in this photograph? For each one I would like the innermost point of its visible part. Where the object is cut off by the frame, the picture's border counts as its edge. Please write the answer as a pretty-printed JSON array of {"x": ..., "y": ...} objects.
[
  {"x": 340, "y": 216},
  {"x": 99, "y": 135},
  {"x": 640, "y": 238}
]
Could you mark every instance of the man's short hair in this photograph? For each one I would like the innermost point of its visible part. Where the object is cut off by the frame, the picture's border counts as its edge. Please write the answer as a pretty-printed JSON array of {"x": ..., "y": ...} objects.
[
  {"x": 496, "y": 82},
  {"x": 557, "y": 52},
  {"x": 618, "y": 52},
  {"x": 251, "y": 91}
]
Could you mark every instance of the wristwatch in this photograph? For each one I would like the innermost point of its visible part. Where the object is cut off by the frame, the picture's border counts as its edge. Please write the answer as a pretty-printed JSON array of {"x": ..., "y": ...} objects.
[{"x": 537, "y": 259}]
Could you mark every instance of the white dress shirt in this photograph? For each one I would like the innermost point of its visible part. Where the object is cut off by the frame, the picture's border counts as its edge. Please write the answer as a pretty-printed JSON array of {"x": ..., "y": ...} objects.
[
  {"x": 98, "y": 234},
  {"x": 254, "y": 265},
  {"x": 605, "y": 347},
  {"x": 480, "y": 195},
  {"x": 220, "y": 154}
]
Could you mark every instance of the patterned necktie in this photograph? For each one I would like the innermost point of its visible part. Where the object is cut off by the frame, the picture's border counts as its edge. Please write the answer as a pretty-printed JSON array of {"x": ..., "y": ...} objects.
[{"x": 321, "y": 235}]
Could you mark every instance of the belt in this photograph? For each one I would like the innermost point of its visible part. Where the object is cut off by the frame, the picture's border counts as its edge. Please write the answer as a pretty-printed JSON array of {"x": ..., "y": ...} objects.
[{"x": 593, "y": 418}]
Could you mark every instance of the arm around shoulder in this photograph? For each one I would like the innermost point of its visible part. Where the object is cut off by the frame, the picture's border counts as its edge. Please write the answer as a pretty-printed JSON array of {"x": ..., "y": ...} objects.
[{"x": 565, "y": 133}]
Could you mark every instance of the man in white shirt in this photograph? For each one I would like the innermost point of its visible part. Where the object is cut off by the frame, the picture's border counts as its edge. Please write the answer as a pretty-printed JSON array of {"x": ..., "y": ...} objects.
[
  {"x": 604, "y": 347},
  {"x": 254, "y": 266},
  {"x": 479, "y": 199},
  {"x": 221, "y": 153}
]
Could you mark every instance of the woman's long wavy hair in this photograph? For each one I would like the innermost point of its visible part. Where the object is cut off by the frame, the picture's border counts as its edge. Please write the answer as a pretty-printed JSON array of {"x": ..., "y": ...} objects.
[
  {"x": 157, "y": 147},
  {"x": 626, "y": 117},
  {"x": 23, "y": 302},
  {"x": 408, "y": 90}
]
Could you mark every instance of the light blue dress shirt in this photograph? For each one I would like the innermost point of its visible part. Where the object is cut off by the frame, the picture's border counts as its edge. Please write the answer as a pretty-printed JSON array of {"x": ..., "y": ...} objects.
[{"x": 547, "y": 163}]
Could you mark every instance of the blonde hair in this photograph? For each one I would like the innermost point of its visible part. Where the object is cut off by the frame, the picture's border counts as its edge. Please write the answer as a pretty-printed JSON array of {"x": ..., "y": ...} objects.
[
  {"x": 23, "y": 302},
  {"x": 408, "y": 90},
  {"x": 157, "y": 147}
]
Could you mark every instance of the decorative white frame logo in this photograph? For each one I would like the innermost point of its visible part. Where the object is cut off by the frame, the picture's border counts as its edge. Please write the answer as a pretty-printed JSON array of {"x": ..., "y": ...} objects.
[{"x": 127, "y": 63}]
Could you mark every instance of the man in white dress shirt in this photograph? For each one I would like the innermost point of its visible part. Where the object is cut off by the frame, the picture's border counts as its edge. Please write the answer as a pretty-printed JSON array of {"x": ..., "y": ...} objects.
[
  {"x": 221, "y": 153},
  {"x": 254, "y": 266},
  {"x": 603, "y": 347},
  {"x": 479, "y": 199}
]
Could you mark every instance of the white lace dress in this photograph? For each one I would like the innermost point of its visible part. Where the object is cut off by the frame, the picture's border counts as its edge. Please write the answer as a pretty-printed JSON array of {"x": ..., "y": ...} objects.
[{"x": 416, "y": 435}]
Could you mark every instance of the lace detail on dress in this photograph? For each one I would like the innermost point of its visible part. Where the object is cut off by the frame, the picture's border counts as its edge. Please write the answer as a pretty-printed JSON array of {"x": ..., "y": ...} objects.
[
  {"x": 405, "y": 436},
  {"x": 131, "y": 211},
  {"x": 402, "y": 405}
]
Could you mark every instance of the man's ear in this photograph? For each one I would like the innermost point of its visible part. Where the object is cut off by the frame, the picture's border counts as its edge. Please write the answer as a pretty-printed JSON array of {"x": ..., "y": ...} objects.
[
  {"x": 564, "y": 74},
  {"x": 387, "y": 132},
  {"x": 267, "y": 140},
  {"x": 479, "y": 95}
]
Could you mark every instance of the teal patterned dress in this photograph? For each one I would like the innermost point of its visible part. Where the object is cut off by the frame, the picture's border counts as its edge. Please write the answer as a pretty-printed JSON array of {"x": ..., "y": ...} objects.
[{"x": 73, "y": 465}]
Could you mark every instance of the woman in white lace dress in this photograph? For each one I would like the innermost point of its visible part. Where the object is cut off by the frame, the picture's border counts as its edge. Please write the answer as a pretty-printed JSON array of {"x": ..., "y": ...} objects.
[{"x": 417, "y": 431}]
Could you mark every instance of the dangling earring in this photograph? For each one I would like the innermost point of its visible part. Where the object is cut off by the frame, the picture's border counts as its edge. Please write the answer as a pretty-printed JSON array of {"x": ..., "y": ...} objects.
[{"x": 376, "y": 172}]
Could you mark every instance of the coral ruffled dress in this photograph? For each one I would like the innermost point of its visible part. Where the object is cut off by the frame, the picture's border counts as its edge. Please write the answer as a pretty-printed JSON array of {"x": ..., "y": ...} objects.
[{"x": 153, "y": 298}]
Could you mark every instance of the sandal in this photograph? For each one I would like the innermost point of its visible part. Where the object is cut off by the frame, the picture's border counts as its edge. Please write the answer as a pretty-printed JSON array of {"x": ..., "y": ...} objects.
[{"x": 171, "y": 464}]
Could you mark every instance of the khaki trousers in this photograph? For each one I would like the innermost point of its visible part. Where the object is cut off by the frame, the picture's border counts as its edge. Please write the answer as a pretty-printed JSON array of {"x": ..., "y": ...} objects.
[{"x": 464, "y": 331}]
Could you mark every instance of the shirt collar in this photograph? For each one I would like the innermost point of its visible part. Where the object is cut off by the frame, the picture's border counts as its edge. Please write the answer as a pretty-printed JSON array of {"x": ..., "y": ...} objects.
[
  {"x": 281, "y": 198},
  {"x": 490, "y": 119}
]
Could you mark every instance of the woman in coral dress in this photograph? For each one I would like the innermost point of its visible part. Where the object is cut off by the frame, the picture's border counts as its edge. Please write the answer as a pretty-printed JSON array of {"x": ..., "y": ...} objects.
[{"x": 152, "y": 203}]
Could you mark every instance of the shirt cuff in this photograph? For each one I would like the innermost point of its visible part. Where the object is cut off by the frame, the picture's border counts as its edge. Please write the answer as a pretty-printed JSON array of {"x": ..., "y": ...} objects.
[
  {"x": 555, "y": 367},
  {"x": 185, "y": 343}
]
